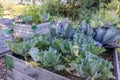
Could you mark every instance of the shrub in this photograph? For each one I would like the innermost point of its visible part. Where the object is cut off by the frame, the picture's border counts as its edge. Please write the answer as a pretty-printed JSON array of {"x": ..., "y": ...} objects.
[
  {"x": 33, "y": 11},
  {"x": 74, "y": 8}
]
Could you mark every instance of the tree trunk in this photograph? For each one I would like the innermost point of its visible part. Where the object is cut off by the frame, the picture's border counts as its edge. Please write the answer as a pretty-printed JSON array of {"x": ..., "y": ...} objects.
[
  {"x": 21, "y": 1},
  {"x": 33, "y": 2}
]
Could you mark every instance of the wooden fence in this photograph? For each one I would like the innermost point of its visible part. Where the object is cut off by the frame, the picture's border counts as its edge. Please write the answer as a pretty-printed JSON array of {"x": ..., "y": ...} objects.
[
  {"x": 22, "y": 70},
  {"x": 23, "y": 30}
]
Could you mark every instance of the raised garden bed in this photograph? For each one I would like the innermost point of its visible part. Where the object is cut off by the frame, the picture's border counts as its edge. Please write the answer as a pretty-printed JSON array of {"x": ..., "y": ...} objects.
[
  {"x": 73, "y": 56},
  {"x": 21, "y": 70},
  {"x": 115, "y": 61},
  {"x": 22, "y": 30},
  {"x": 7, "y": 22},
  {"x": 26, "y": 30},
  {"x": 116, "y": 65},
  {"x": 3, "y": 37}
]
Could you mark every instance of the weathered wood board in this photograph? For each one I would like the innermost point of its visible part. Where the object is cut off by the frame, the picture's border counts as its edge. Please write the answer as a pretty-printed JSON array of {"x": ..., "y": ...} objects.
[
  {"x": 26, "y": 70},
  {"x": 116, "y": 65},
  {"x": 3, "y": 37},
  {"x": 16, "y": 75},
  {"x": 23, "y": 30},
  {"x": 23, "y": 71},
  {"x": 6, "y": 22}
]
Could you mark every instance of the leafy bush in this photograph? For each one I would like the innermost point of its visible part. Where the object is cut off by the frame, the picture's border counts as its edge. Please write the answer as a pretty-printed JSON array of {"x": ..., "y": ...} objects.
[
  {"x": 74, "y": 8},
  {"x": 11, "y": 9},
  {"x": 16, "y": 10},
  {"x": 33, "y": 11},
  {"x": 38, "y": 13},
  {"x": 104, "y": 18}
]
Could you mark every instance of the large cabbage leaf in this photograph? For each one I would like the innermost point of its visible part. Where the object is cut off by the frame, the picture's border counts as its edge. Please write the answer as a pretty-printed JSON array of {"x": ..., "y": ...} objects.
[{"x": 93, "y": 67}]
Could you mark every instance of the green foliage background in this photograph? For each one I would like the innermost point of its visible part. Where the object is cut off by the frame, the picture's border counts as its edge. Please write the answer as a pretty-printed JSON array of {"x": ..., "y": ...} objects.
[
  {"x": 75, "y": 10},
  {"x": 1, "y": 10}
]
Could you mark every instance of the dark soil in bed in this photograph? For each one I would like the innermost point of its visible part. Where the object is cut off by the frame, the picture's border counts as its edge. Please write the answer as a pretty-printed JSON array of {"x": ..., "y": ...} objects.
[{"x": 108, "y": 55}]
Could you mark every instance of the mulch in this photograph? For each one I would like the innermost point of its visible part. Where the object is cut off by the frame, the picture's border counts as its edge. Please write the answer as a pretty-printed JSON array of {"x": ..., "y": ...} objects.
[{"x": 2, "y": 69}]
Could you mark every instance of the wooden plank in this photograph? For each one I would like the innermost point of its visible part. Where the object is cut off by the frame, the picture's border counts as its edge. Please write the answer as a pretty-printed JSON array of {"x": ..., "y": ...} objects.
[
  {"x": 8, "y": 78},
  {"x": 3, "y": 46},
  {"x": 3, "y": 54},
  {"x": 20, "y": 31},
  {"x": 43, "y": 31},
  {"x": 43, "y": 27},
  {"x": 24, "y": 30},
  {"x": 4, "y": 50},
  {"x": 24, "y": 35},
  {"x": 22, "y": 25},
  {"x": 116, "y": 65},
  {"x": 43, "y": 24},
  {"x": 3, "y": 32},
  {"x": 31, "y": 33},
  {"x": 16, "y": 75},
  {"x": 35, "y": 72},
  {"x": 1, "y": 43},
  {"x": 3, "y": 37},
  {"x": 28, "y": 32},
  {"x": 28, "y": 27}
]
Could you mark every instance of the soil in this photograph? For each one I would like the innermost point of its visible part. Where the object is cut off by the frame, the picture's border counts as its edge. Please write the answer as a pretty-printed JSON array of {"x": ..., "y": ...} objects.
[
  {"x": 73, "y": 76},
  {"x": 108, "y": 55}
]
